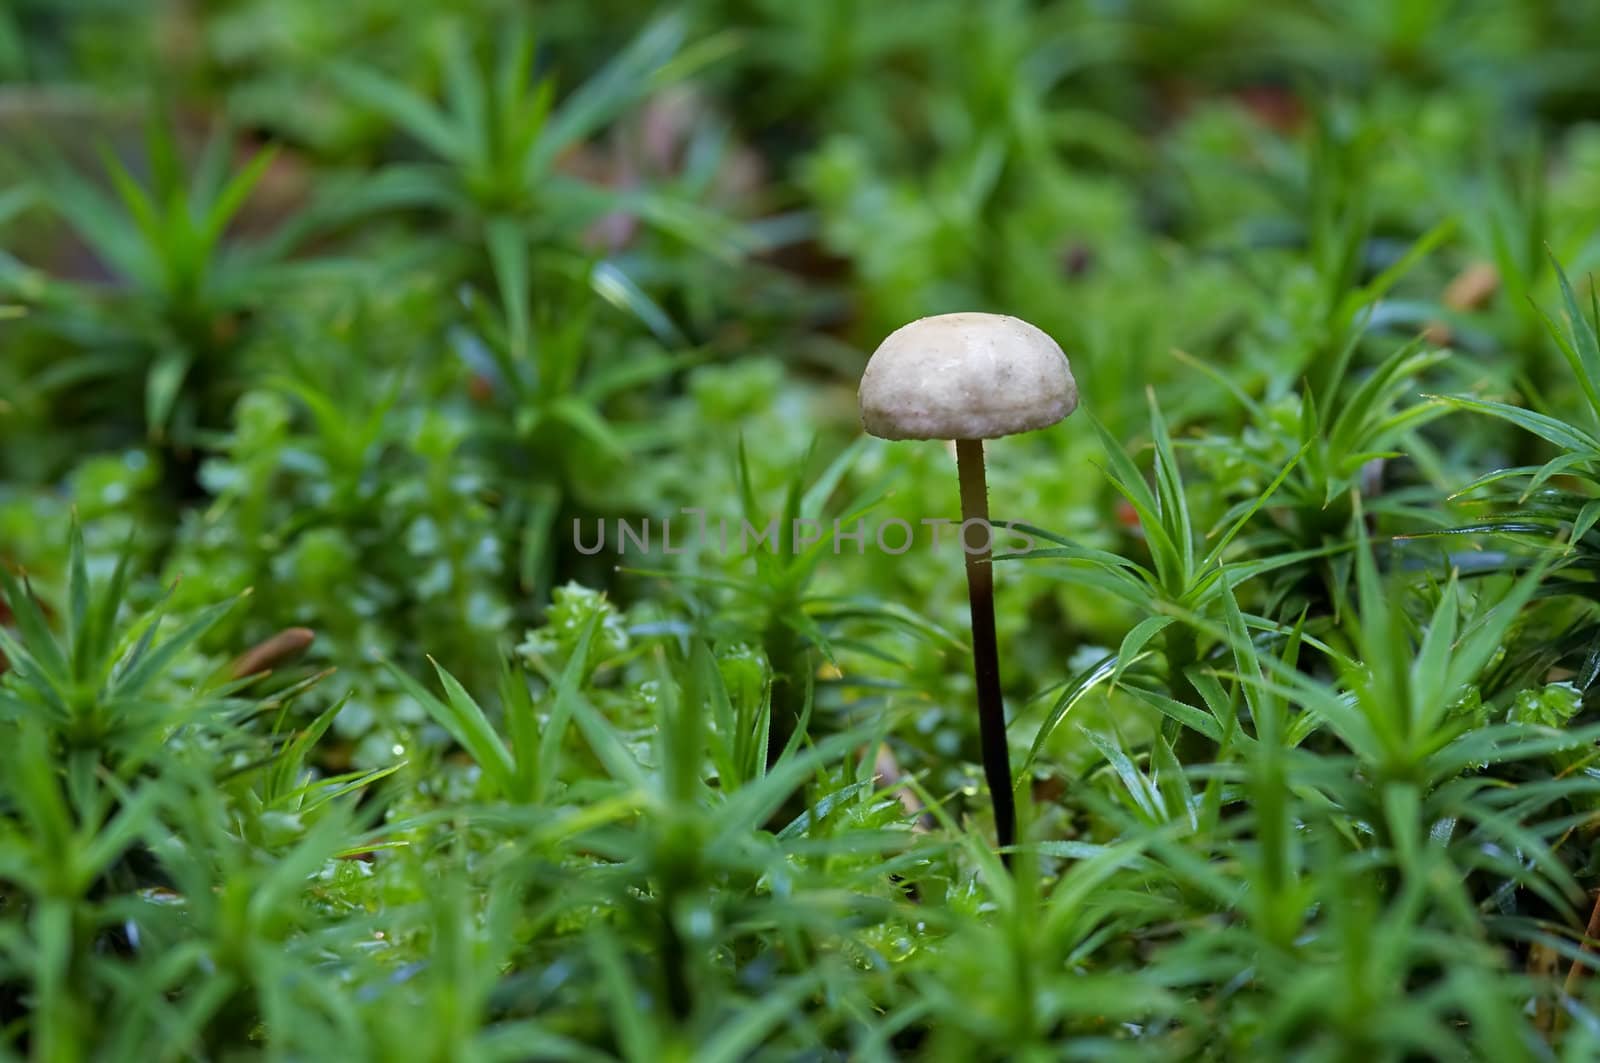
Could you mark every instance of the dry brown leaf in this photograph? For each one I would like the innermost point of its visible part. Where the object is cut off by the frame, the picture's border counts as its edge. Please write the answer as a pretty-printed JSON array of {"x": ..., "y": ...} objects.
[{"x": 280, "y": 649}]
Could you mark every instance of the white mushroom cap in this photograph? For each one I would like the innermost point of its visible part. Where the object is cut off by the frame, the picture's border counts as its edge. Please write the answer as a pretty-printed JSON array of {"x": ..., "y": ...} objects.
[{"x": 965, "y": 376}]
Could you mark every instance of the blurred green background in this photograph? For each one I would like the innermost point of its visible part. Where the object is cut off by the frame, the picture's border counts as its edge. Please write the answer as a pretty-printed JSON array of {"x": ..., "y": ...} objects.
[{"x": 363, "y": 305}]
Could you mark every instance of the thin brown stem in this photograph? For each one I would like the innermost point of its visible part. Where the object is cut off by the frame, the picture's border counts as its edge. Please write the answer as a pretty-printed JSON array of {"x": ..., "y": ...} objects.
[
  {"x": 977, "y": 540},
  {"x": 1591, "y": 934}
]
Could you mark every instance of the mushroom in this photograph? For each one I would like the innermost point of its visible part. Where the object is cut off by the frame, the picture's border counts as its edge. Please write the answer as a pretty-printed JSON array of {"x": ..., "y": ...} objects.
[{"x": 970, "y": 377}]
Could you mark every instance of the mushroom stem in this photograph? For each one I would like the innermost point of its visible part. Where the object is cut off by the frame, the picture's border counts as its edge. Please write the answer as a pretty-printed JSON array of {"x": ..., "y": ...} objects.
[{"x": 977, "y": 540}]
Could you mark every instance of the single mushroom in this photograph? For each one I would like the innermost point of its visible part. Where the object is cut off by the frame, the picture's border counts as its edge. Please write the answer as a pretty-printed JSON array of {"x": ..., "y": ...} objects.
[{"x": 967, "y": 378}]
